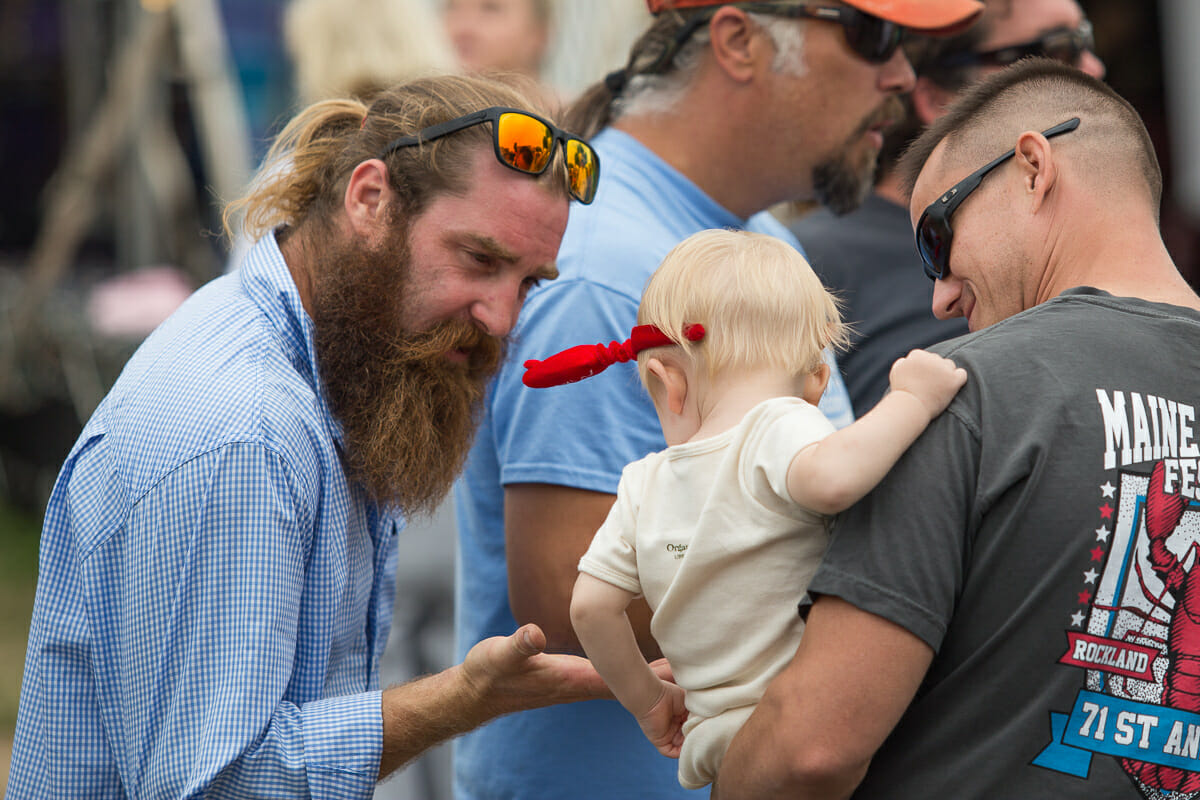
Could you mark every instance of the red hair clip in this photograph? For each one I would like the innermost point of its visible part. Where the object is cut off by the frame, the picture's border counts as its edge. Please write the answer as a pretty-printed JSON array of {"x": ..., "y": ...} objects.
[{"x": 585, "y": 360}]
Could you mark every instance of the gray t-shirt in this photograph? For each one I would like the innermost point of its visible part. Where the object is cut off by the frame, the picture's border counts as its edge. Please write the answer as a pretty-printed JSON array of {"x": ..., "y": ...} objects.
[{"x": 1013, "y": 539}]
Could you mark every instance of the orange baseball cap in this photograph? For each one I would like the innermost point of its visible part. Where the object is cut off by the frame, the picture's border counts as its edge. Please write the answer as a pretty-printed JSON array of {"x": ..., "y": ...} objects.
[{"x": 927, "y": 16}]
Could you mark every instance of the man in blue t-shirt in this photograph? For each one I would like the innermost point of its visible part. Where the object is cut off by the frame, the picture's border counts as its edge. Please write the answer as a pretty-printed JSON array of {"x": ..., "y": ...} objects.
[{"x": 722, "y": 112}]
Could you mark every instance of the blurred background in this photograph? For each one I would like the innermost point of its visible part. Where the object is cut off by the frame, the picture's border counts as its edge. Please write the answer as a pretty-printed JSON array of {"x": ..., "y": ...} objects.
[{"x": 124, "y": 125}]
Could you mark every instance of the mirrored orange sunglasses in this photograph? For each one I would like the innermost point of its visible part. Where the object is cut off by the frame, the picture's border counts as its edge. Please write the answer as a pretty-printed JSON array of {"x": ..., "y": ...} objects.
[{"x": 524, "y": 142}]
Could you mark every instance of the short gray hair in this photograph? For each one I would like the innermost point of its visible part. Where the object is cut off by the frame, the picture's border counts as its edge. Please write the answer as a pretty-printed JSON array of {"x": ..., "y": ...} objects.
[{"x": 663, "y": 91}]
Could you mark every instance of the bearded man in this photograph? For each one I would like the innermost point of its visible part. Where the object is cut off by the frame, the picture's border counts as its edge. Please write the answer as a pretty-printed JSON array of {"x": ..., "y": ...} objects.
[{"x": 218, "y": 558}]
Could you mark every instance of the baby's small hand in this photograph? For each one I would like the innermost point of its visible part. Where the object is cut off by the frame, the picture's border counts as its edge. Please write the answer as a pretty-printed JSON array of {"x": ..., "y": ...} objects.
[
  {"x": 930, "y": 378},
  {"x": 663, "y": 723}
]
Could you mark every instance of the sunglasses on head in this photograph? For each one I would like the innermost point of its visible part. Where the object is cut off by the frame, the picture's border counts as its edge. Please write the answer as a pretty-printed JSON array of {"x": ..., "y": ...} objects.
[
  {"x": 871, "y": 38},
  {"x": 1061, "y": 44},
  {"x": 524, "y": 142},
  {"x": 934, "y": 233}
]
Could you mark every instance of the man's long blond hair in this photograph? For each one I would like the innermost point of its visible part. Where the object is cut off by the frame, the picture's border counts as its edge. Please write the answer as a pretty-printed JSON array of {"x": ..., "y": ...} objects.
[{"x": 303, "y": 179}]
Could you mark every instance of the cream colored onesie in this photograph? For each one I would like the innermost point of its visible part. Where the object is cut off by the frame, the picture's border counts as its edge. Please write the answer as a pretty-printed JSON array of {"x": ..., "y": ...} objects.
[{"x": 708, "y": 533}]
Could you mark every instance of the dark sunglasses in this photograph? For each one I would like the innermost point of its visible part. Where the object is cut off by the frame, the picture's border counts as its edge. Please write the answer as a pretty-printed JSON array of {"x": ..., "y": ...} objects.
[
  {"x": 1061, "y": 44},
  {"x": 871, "y": 38},
  {"x": 934, "y": 233},
  {"x": 524, "y": 142}
]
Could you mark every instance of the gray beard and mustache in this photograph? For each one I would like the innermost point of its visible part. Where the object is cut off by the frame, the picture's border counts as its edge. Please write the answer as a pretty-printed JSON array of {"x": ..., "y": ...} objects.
[
  {"x": 841, "y": 188},
  {"x": 408, "y": 413},
  {"x": 841, "y": 185}
]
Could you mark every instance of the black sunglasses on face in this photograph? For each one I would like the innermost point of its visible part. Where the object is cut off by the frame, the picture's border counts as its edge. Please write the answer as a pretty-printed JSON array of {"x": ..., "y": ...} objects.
[
  {"x": 522, "y": 141},
  {"x": 934, "y": 233},
  {"x": 1061, "y": 44},
  {"x": 871, "y": 38}
]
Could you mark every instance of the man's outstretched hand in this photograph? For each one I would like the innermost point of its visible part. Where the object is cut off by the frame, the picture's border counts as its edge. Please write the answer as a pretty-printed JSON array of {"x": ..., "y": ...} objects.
[
  {"x": 500, "y": 675},
  {"x": 512, "y": 673}
]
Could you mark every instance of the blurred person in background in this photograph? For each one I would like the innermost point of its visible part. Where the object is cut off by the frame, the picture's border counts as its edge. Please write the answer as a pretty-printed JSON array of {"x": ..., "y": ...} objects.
[
  {"x": 218, "y": 558},
  {"x": 723, "y": 110},
  {"x": 867, "y": 257},
  {"x": 354, "y": 48},
  {"x": 500, "y": 35},
  {"x": 333, "y": 54}
]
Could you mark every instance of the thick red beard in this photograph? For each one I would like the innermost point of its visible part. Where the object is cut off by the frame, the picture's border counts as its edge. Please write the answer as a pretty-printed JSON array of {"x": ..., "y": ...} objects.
[{"x": 408, "y": 412}]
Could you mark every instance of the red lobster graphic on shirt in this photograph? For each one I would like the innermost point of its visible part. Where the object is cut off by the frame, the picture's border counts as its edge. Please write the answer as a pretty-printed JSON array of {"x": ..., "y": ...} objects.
[{"x": 1181, "y": 683}]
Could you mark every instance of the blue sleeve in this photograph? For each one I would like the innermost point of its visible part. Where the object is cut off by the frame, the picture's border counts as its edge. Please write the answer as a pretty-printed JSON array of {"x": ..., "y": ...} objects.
[
  {"x": 835, "y": 403},
  {"x": 582, "y": 434},
  {"x": 195, "y": 602}
]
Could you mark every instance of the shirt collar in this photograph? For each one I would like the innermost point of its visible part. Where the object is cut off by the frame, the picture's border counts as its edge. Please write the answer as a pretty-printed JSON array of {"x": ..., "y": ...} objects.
[{"x": 268, "y": 282}]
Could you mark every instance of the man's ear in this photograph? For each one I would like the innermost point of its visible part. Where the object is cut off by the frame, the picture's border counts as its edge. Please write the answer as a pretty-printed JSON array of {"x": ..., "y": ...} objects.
[
  {"x": 367, "y": 192},
  {"x": 929, "y": 101},
  {"x": 1039, "y": 172},
  {"x": 734, "y": 44},
  {"x": 672, "y": 384},
  {"x": 815, "y": 383}
]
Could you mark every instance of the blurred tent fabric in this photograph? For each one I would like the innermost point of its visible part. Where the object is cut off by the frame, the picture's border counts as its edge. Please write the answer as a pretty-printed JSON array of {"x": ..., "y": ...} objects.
[
  {"x": 131, "y": 173},
  {"x": 591, "y": 39}
]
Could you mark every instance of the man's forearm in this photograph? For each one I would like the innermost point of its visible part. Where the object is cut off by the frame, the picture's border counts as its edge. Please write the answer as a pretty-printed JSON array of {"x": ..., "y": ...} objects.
[
  {"x": 424, "y": 713},
  {"x": 760, "y": 765},
  {"x": 822, "y": 718}
]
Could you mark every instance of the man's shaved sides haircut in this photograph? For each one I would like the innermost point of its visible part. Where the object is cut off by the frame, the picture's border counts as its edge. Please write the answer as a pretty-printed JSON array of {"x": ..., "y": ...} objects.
[{"x": 1035, "y": 94}]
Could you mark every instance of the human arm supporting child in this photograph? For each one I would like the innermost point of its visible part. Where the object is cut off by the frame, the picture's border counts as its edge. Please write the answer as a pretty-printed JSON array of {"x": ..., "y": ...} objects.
[{"x": 832, "y": 474}]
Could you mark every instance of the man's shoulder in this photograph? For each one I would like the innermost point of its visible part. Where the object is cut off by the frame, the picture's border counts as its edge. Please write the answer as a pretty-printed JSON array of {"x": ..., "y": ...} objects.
[
  {"x": 644, "y": 208},
  {"x": 613, "y": 249},
  {"x": 214, "y": 376},
  {"x": 1058, "y": 328},
  {"x": 628, "y": 225},
  {"x": 1050, "y": 355}
]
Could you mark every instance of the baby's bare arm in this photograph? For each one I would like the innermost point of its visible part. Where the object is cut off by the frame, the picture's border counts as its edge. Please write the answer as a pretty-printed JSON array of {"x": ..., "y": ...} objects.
[
  {"x": 831, "y": 475},
  {"x": 598, "y": 614}
]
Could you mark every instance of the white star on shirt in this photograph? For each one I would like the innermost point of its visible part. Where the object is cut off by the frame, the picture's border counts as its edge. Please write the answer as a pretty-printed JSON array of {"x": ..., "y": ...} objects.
[
  {"x": 1077, "y": 618},
  {"x": 1090, "y": 576},
  {"x": 1108, "y": 489},
  {"x": 1102, "y": 534}
]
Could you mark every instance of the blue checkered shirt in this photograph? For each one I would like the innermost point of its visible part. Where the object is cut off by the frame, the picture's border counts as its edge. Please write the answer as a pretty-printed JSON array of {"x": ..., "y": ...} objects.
[{"x": 213, "y": 597}]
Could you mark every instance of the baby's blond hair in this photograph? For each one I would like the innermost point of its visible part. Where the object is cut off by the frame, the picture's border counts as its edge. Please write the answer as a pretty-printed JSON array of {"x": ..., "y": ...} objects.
[{"x": 759, "y": 301}]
